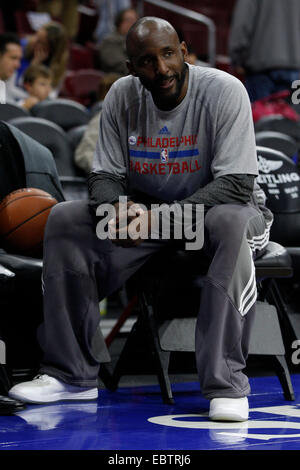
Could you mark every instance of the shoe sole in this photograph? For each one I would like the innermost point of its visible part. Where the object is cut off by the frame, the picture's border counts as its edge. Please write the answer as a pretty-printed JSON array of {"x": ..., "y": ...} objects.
[
  {"x": 64, "y": 396},
  {"x": 228, "y": 417}
]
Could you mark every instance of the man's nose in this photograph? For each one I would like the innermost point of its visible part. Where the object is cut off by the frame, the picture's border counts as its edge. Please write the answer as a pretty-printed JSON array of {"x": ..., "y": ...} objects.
[{"x": 161, "y": 67}]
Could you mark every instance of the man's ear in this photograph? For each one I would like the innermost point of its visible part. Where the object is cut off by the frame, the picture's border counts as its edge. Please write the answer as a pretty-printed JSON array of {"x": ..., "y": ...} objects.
[
  {"x": 184, "y": 49},
  {"x": 130, "y": 68}
]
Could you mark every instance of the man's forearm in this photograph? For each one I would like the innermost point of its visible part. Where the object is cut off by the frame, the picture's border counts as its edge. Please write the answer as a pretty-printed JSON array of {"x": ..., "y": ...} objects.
[
  {"x": 105, "y": 188},
  {"x": 228, "y": 189}
]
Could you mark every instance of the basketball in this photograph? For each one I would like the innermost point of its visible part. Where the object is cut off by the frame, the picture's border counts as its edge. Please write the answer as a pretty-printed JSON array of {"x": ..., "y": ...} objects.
[{"x": 23, "y": 216}]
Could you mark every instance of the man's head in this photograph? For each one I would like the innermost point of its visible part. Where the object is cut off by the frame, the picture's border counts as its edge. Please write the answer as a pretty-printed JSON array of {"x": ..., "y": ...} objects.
[
  {"x": 157, "y": 57},
  {"x": 10, "y": 55}
]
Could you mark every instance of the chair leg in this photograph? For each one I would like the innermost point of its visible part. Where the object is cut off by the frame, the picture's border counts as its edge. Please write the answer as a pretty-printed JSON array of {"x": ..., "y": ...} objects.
[
  {"x": 284, "y": 377},
  {"x": 105, "y": 376},
  {"x": 5, "y": 381},
  {"x": 123, "y": 360},
  {"x": 144, "y": 332},
  {"x": 161, "y": 358},
  {"x": 274, "y": 296}
]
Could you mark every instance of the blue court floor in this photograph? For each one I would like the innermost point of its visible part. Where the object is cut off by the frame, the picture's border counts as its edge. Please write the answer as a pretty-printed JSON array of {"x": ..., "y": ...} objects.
[{"x": 135, "y": 418}]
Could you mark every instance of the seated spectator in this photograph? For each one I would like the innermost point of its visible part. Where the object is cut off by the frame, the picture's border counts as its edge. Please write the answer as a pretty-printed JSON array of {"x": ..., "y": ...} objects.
[
  {"x": 10, "y": 59},
  {"x": 84, "y": 153},
  {"x": 38, "y": 84},
  {"x": 112, "y": 50},
  {"x": 193, "y": 59},
  {"x": 48, "y": 46},
  {"x": 66, "y": 11},
  {"x": 107, "y": 11}
]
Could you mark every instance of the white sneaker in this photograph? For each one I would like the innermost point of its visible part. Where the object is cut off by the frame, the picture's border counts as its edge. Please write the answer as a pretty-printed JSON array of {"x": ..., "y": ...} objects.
[
  {"x": 229, "y": 409},
  {"x": 46, "y": 389}
]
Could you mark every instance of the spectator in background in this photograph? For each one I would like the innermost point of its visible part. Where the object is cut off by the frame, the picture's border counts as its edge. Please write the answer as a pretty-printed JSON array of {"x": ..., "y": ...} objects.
[
  {"x": 192, "y": 58},
  {"x": 38, "y": 84},
  {"x": 113, "y": 47},
  {"x": 10, "y": 60},
  {"x": 64, "y": 10},
  {"x": 84, "y": 153},
  {"x": 107, "y": 11},
  {"x": 48, "y": 46},
  {"x": 264, "y": 45}
]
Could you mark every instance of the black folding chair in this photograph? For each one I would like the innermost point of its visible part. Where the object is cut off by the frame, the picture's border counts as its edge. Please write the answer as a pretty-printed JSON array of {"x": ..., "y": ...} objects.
[{"x": 166, "y": 320}]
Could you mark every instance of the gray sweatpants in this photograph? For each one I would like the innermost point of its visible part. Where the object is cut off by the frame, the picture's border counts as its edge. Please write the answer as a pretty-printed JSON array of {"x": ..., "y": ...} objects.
[{"x": 79, "y": 270}]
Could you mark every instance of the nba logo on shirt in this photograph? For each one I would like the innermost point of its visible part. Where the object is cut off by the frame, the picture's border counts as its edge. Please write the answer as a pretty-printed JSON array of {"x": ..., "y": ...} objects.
[{"x": 164, "y": 156}]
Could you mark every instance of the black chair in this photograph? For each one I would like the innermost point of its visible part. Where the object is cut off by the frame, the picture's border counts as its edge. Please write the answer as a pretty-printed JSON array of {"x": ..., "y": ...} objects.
[
  {"x": 96, "y": 108},
  {"x": 21, "y": 296},
  {"x": 57, "y": 141},
  {"x": 63, "y": 112},
  {"x": 51, "y": 136},
  {"x": 10, "y": 111},
  {"x": 75, "y": 135},
  {"x": 28, "y": 164},
  {"x": 279, "y": 123},
  {"x": 280, "y": 179},
  {"x": 6, "y": 289},
  {"x": 162, "y": 327},
  {"x": 278, "y": 141}
]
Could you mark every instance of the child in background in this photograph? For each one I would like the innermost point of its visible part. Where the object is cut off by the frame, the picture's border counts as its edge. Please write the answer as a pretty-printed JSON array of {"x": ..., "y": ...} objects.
[{"x": 38, "y": 84}]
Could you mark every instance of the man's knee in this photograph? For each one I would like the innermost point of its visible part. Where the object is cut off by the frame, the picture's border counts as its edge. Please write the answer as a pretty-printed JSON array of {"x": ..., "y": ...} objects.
[
  {"x": 227, "y": 218},
  {"x": 65, "y": 216}
]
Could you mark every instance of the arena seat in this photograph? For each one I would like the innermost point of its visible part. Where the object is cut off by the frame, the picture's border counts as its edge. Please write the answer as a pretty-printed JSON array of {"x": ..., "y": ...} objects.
[
  {"x": 6, "y": 289},
  {"x": 81, "y": 57},
  {"x": 11, "y": 110},
  {"x": 278, "y": 123},
  {"x": 279, "y": 177},
  {"x": 2, "y": 26},
  {"x": 278, "y": 141},
  {"x": 75, "y": 135},
  {"x": 51, "y": 136},
  {"x": 22, "y": 23},
  {"x": 21, "y": 297},
  {"x": 82, "y": 85},
  {"x": 65, "y": 113}
]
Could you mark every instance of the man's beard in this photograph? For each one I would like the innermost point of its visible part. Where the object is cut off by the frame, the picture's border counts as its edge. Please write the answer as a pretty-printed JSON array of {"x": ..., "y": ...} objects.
[{"x": 158, "y": 96}]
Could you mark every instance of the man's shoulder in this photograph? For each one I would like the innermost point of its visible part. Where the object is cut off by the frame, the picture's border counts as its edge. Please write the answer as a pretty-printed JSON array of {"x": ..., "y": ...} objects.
[
  {"x": 214, "y": 76},
  {"x": 124, "y": 94},
  {"x": 212, "y": 83},
  {"x": 127, "y": 87}
]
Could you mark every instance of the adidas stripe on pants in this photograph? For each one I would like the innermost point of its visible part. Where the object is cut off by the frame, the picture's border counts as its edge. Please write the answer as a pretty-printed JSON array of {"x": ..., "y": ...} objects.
[{"x": 79, "y": 270}]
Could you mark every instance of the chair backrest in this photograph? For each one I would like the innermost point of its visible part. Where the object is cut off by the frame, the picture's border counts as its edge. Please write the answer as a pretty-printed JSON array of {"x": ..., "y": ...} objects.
[
  {"x": 80, "y": 85},
  {"x": 11, "y": 110},
  {"x": 278, "y": 141},
  {"x": 81, "y": 57},
  {"x": 75, "y": 135},
  {"x": 64, "y": 112},
  {"x": 51, "y": 136},
  {"x": 23, "y": 26},
  {"x": 280, "y": 179},
  {"x": 279, "y": 124},
  {"x": 24, "y": 162}
]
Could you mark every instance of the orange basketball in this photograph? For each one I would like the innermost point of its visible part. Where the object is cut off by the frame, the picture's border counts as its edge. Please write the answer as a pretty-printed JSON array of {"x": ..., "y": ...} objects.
[{"x": 23, "y": 216}]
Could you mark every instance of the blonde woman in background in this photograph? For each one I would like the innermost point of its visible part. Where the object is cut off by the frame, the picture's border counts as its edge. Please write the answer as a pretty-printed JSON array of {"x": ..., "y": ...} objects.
[{"x": 48, "y": 46}]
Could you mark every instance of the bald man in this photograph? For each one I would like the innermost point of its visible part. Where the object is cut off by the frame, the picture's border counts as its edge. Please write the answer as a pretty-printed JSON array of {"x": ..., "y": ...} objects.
[{"x": 174, "y": 135}]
